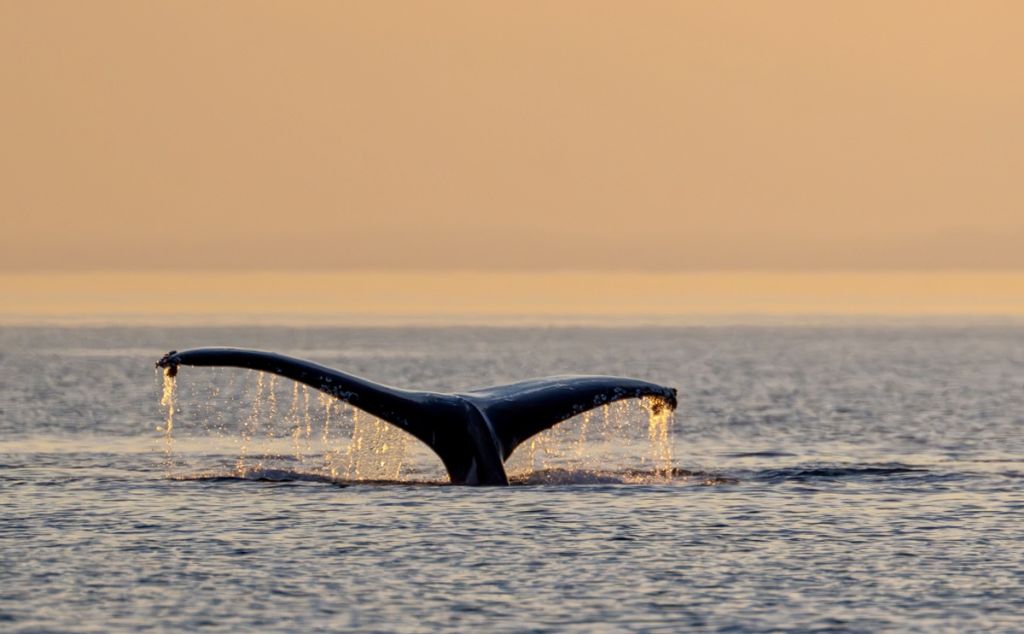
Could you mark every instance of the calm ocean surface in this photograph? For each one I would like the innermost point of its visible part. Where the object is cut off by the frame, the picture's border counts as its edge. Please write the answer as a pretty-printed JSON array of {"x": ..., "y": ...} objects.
[{"x": 846, "y": 478}]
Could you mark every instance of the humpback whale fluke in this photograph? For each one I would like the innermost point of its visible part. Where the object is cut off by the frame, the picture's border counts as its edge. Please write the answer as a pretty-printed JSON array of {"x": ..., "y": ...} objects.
[{"x": 473, "y": 432}]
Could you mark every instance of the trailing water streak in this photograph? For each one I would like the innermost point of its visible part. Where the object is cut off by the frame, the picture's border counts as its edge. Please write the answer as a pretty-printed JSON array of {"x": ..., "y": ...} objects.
[
  {"x": 167, "y": 402},
  {"x": 250, "y": 425},
  {"x": 295, "y": 422},
  {"x": 659, "y": 424},
  {"x": 376, "y": 450},
  {"x": 307, "y": 419},
  {"x": 271, "y": 406},
  {"x": 329, "y": 450}
]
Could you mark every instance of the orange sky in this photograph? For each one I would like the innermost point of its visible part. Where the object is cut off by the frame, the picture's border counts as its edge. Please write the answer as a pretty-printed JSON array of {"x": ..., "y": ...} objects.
[{"x": 657, "y": 136}]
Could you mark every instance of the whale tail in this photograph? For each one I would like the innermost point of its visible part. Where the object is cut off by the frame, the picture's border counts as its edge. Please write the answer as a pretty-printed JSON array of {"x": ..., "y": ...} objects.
[{"x": 473, "y": 432}]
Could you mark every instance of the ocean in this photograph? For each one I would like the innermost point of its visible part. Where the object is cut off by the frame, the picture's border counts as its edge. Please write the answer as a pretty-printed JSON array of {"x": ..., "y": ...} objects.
[{"x": 846, "y": 477}]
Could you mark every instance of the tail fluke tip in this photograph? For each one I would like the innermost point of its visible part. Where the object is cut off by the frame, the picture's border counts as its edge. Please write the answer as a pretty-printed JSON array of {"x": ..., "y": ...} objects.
[{"x": 169, "y": 362}]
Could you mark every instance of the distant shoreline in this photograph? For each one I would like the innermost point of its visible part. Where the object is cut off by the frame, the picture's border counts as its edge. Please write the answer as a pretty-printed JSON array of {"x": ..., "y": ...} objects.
[{"x": 393, "y": 298}]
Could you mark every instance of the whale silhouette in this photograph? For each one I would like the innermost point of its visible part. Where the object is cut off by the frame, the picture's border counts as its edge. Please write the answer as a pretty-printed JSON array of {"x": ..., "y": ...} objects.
[{"x": 473, "y": 432}]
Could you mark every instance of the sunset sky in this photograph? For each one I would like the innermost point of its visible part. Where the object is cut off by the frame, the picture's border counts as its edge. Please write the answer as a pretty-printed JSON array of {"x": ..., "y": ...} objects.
[{"x": 652, "y": 137}]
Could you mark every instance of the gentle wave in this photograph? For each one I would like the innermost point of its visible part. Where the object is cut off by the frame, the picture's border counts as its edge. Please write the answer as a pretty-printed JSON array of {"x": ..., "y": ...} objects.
[
  {"x": 568, "y": 477},
  {"x": 836, "y": 472}
]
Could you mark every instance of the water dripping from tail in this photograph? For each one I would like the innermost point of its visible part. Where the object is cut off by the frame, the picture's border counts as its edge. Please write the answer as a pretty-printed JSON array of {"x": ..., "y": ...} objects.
[
  {"x": 377, "y": 450},
  {"x": 277, "y": 430},
  {"x": 249, "y": 428},
  {"x": 628, "y": 442},
  {"x": 281, "y": 432},
  {"x": 167, "y": 402},
  {"x": 295, "y": 422},
  {"x": 659, "y": 426}
]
